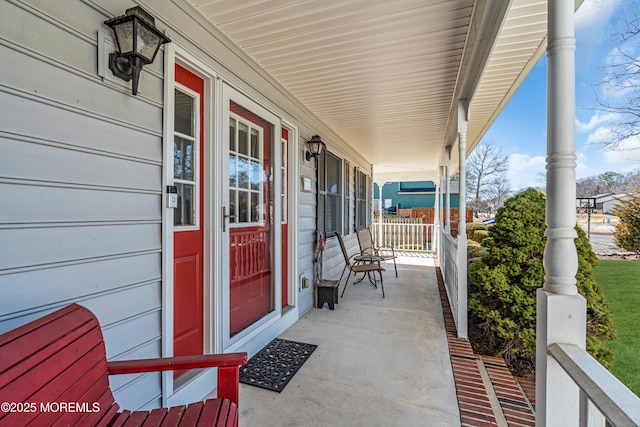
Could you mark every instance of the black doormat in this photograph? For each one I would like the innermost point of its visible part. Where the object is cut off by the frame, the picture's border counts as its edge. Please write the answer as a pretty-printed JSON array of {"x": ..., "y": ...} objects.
[{"x": 274, "y": 366}]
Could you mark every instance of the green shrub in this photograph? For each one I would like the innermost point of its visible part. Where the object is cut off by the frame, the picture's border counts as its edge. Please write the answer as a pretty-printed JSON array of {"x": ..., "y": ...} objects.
[
  {"x": 475, "y": 251},
  {"x": 502, "y": 285},
  {"x": 480, "y": 235},
  {"x": 472, "y": 227},
  {"x": 627, "y": 232}
]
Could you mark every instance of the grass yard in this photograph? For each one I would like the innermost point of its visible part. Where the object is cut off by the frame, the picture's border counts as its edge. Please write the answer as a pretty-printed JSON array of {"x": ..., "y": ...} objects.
[{"x": 620, "y": 280}]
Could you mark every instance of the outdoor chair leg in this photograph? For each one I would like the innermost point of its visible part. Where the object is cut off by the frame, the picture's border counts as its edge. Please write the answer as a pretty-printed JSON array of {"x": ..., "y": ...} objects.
[
  {"x": 381, "y": 286},
  {"x": 395, "y": 266},
  {"x": 345, "y": 283}
]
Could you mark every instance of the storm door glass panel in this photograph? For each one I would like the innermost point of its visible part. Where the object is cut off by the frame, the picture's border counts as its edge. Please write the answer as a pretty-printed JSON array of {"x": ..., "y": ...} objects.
[
  {"x": 185, "y": 159},
  {"x": 246, "y": 173},
  {"x": 251, "y": 288}
]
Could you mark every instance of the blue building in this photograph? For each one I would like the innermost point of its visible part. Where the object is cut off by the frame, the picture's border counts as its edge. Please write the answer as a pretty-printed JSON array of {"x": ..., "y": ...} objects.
[{"x": 412, "y": 194}]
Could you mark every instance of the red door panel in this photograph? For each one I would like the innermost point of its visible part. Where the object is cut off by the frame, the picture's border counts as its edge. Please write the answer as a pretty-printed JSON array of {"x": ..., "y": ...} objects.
[{"x": 188, "y": 285}]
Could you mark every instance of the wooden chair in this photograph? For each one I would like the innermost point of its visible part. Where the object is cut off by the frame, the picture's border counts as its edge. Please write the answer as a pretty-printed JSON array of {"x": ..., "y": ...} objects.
[
  {"x": 367, "y": 265},
  {"x": 365, "y": 240},
  {"x": 54, "y": 371}
]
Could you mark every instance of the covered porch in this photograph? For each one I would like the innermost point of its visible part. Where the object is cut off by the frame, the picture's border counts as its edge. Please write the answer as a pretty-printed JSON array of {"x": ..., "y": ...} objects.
[
  {"x": 398, "y": 90},
  {"x": 391, "y": 361}
]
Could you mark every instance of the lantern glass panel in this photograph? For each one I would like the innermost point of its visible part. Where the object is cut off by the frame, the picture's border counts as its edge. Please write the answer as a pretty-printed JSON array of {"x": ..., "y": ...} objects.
[
  {"x": 124, "y": 35},
  {"x": 147, "y": 42}
]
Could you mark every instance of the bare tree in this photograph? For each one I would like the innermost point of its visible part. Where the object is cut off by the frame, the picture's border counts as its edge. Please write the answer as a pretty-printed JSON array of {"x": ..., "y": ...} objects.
[
  {"x": 622, "y": 85},
  {"x": 499, "y": 192},
  {"x": 608, "y": 183},
  {"x": 486, "y": 172}
]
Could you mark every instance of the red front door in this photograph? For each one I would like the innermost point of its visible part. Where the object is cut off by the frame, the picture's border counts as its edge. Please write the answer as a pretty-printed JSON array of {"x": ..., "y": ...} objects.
[
  {"x": 188, "y": 236},
  {"x": 250, "y": 200}
]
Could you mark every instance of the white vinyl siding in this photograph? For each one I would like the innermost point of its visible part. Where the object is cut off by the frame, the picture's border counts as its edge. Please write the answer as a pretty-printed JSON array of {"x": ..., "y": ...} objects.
[{"x": 81, "y": 184}]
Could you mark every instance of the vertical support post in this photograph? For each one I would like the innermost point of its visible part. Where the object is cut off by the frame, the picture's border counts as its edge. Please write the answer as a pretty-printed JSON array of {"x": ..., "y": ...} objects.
[
  {"x": 441, "y": 216},
  {"x": 447, "y": 177},
  {"x": 561, "y": 311},
  {"x": 380, "y": 241},
  {"x": 463, "y": 117},
  {"x": 435, "y": 245}
]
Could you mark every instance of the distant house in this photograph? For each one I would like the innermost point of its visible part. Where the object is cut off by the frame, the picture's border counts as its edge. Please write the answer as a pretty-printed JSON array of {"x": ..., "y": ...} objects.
[
  {"x": 607, "y": 203},
  {"x": 412, "y": 194},
  {"x": 601, "y": 203}
]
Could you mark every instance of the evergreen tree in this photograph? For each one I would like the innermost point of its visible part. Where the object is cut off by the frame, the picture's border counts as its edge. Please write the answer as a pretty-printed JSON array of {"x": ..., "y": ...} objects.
[
  {"x": 627, "y": 232},
  {"x": 502, "y": 285}
]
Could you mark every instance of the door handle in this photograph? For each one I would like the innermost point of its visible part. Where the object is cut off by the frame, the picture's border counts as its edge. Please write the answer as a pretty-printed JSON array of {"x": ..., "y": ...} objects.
[{"x": 225, "y": 217}]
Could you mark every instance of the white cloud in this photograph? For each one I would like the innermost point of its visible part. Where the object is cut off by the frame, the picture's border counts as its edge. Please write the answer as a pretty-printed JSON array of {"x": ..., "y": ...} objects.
[
  {"x": 621, "y": 75},
  {"x": 524, "y": 170},
  {"x": 596, "y": 120},
  {"x": 625, "y": 158},
  {"x": 593, "y": 14},
  {"x": 601, "y": 135}
]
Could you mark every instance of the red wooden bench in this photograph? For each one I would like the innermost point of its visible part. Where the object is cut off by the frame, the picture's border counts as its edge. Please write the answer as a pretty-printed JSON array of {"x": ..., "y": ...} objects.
[{"x": 54, "y": 372}]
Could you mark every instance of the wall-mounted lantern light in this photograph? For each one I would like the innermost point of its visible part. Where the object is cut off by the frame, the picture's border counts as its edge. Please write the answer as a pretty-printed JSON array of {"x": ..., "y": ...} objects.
[
  {"x": 315, "y": 146},
  {"x": 138, "y": 41}
]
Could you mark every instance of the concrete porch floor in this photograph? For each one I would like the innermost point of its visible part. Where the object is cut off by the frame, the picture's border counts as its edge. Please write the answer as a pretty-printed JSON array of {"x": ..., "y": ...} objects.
[{"x": 379, "y": 362}]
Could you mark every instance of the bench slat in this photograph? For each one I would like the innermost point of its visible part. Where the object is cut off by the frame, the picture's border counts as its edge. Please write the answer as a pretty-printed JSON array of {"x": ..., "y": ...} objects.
[
  {"x": 155, "y": 417},
  {"x": 93, "y": 393},
  {"x": 36, "y": 324},
  {"x": 103, "y": 419},
  {"x": 210, "y": 411},
  {"x": 33, "y": 348},
  {"x": 173, "y": 417},
  {"x": 227, "y": 414}
]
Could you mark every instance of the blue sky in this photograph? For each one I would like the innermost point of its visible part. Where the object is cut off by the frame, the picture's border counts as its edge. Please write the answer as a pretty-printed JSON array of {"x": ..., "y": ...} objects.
[{"x": 520, "y": 130}]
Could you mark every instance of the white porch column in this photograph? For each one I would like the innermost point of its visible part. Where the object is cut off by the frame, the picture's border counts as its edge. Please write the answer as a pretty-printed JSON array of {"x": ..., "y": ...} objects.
[
  {"x": 441, "y": 216},
  {"x": 380, "y": 182},
  {"x": 447, "y": 177},
  {"x": 435, "y": 245},
  {"x": 463, "y": 116},
  {"x": 561, "y": 311}
]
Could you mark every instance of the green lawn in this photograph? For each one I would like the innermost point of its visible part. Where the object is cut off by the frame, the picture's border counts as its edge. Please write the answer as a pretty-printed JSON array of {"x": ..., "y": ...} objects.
[{"x": 620, "y": 280}]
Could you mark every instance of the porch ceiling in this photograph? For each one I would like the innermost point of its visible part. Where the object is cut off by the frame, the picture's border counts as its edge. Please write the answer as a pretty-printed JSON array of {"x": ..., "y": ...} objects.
[{"x": 385, "y": 76}]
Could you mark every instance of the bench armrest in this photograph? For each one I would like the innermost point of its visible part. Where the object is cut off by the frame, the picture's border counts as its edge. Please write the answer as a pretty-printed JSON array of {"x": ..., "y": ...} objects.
[{"x": 228, "y": 368}]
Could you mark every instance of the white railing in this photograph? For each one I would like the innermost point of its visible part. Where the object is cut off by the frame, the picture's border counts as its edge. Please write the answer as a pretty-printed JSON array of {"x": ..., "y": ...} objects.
[
  {"x": 449, "y": 272},
  {"x": 597, "y": 387},
  {"x": 403, "y": 236}
]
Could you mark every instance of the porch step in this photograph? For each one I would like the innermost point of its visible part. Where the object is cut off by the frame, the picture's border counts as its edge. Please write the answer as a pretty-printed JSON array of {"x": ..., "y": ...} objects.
[{"x": 488, "y": 394}]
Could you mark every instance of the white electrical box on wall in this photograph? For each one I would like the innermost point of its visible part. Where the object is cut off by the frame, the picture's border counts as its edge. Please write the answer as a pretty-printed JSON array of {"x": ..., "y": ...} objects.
[
  {"x": 172, "y": 196},
  {"x": 306, "y": 184}
]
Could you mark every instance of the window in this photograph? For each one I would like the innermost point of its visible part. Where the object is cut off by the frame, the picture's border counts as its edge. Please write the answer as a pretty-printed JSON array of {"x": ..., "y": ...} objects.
[
  {"x": 329, "y": 193},
  {"x": 185, "y": 158},
  {"x": 362, "y": 199},
  {"x": 246, "y": 174}
]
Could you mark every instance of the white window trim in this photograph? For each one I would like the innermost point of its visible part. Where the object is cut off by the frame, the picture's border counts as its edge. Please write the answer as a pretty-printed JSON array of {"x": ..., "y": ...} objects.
[{"x": 196, "y": 158}]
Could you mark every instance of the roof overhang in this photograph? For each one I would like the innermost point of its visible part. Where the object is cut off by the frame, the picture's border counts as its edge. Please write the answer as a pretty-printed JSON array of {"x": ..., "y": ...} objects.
[{"x": 386, "y": 77}]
